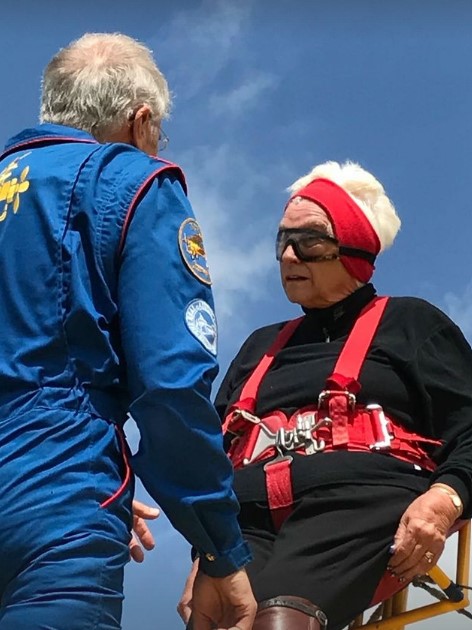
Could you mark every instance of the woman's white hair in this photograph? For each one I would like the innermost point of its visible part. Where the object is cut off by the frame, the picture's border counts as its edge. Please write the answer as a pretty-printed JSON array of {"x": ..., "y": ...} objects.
[
  {"x": 99, "y": 80},
  {"x": 367, "y": 192}
]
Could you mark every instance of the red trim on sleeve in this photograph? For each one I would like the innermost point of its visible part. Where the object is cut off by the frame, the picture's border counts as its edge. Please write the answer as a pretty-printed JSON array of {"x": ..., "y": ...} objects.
[
  {"x": 177, "y": 167},
  {"x": 139, "y": 192},
  {"x": 168, "y": 162}
]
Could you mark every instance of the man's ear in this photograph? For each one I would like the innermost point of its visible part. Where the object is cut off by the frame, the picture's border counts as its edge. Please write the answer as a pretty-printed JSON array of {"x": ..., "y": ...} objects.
[{"x": 141, "y": 120}]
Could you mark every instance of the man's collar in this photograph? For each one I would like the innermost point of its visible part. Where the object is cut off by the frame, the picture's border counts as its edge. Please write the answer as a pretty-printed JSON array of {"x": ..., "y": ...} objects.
[{"x": 46, "y": 131}]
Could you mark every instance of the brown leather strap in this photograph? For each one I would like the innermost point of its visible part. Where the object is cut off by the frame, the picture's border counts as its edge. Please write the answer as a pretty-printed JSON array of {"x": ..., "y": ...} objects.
[{"x": 289, "y": 612}]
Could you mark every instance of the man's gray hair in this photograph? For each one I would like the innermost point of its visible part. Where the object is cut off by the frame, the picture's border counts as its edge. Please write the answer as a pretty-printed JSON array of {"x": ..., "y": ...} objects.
[{"x": 98, "y": 81}]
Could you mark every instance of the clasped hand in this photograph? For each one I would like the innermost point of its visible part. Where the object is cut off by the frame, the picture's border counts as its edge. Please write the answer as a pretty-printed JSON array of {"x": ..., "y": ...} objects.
[{"x": 421, "y": 535}]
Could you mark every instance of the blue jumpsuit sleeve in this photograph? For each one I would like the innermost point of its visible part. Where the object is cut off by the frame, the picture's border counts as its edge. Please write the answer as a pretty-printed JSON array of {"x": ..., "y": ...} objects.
[{"x": 180, "y": 460}]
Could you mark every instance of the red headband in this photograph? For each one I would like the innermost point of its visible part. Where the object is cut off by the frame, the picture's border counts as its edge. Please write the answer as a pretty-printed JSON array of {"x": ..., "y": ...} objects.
[{"x": 351, "y": 226}]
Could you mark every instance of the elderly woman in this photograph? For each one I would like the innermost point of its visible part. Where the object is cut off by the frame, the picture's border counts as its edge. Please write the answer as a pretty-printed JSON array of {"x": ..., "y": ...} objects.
[{"x": 350, "y": 428}]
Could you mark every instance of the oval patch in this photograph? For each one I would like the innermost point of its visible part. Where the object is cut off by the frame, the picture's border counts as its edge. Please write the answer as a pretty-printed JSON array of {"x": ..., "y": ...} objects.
[
  {"x": 193, "y": 250},
  {"x": 201, "y": 322}
]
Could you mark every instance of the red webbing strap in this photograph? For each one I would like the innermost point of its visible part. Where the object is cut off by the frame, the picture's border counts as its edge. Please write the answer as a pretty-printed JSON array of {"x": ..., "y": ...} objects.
[
  {"x": 251, "y": 387},
  {"x": 279, "y": 489},
  {"x": 348, "y": 367},
  {"x": 352, "y": 357},
  {"x": 338, "y": 410}
]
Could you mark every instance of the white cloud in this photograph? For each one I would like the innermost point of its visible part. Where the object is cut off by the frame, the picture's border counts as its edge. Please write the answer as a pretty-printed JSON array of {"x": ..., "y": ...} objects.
[
  {"x": 200, "y": 42},
  {"x": 459, "y": 308},
  {"x": 241, "y": 98},
  {"x": 205, "y": 49},
  {"x": 239, "y": 243}
]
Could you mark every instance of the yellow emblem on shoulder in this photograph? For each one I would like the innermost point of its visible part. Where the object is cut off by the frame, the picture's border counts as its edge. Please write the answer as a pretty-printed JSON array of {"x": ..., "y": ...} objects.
[
  {"x": 12, "y": 187},
  {"x": 193, "y": 251}
]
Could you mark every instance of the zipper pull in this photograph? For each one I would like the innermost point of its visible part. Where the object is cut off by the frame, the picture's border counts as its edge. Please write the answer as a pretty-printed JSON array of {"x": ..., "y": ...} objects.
[{"x": 326, "y": 335}]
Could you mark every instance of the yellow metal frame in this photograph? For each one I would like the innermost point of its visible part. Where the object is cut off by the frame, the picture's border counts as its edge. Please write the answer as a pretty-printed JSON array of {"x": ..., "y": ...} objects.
[{"x": 394, "y": 614}]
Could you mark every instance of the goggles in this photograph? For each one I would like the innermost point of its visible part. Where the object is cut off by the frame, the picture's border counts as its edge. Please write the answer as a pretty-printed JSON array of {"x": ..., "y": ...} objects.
[
  {"x": 308, "y": 245},
  {"x": 315, "y": 246}
]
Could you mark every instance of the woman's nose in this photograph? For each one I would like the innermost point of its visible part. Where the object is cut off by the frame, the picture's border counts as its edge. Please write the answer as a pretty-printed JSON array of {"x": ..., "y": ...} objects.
[{"x": 289, "y": 255}]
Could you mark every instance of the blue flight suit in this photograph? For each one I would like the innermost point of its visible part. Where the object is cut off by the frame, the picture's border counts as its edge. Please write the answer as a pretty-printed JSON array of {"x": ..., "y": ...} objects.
[{"x": 105, "y": 309}]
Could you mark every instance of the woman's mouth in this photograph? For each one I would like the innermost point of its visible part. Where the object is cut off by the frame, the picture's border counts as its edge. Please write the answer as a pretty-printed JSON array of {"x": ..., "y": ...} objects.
[{"x": 295, "y": 278}]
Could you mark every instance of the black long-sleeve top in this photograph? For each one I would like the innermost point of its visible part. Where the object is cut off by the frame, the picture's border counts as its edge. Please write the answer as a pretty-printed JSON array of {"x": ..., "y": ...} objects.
[{"x": 419, "y": 368}]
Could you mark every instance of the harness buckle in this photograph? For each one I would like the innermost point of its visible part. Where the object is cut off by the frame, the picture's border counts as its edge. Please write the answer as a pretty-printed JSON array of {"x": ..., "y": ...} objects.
[
  {"x": 265, "y": 440},
  {"x": 302, "y": 436},
  {"x": 316, "y": 445},
  {"x": 235, "y": 423},
  {"x": 279, "y": 446},
  {"x": 277, "y": 460},
  {"x": 380, "y": 426},
  {"x": 326, "y": 394},
  {"x": 284, "y": 441},
  {"x": 246, "y": 415}
]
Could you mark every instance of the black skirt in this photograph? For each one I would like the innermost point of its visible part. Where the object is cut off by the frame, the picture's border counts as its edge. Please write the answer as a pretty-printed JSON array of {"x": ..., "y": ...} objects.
[{"x": 332, "y": 550}]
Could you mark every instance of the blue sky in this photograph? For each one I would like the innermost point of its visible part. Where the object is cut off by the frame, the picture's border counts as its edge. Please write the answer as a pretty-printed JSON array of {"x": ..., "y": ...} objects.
[{"x": 263, "y": 91}]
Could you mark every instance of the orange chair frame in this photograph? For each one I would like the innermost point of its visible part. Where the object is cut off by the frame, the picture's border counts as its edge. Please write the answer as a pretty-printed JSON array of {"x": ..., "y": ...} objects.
[{"x": 395, "y": 615}]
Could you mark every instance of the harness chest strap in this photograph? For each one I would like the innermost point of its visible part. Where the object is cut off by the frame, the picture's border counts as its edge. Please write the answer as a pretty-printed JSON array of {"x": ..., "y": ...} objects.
[
  {"x": 248, "y": 396},
  {"x": 349, "y": 362},
  {"x": 343, "y": 379},
  {"x": 348, "y": 367}
]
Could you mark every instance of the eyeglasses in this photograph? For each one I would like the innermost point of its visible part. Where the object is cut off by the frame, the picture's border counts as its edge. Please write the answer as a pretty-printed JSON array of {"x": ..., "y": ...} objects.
[
  {"x": 308, "y": 245},
  {"x": 163, "y": 140}
]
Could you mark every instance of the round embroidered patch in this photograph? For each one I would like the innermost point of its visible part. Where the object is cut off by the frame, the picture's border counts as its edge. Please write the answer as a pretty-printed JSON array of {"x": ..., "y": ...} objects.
[
  {"x": 193, "y": 251},
  {"x": 201, "y": 322}
]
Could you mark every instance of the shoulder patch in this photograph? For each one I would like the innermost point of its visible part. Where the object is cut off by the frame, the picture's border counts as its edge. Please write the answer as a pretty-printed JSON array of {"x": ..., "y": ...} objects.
[
  {"x": 201, "y": 322},
  {"x": 193, "y": 251}
]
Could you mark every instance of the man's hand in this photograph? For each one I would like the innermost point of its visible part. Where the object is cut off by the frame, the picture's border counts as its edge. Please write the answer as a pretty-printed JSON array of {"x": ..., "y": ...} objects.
[
  {"x": 421, "y": 535},
  {"x": 184, "y": 607},
  {"x": 224, "y": 603},
  {"x": 141, "y": 532}
]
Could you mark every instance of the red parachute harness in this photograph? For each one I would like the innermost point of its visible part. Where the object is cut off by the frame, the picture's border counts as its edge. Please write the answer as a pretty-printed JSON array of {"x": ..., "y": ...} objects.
[{"x": 336, "y": 422}]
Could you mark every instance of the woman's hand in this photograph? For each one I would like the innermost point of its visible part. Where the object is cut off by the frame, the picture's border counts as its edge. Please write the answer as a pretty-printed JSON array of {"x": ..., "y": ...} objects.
[
  {"x": 141, "y": 532},
  {"x": 184, "y": 607},
  {"x": 421, "y": 535}
]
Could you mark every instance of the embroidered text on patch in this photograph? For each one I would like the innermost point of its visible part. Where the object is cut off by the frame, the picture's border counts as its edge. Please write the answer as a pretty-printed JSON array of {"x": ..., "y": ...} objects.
[
  {"x": 193, "y": 251},
  {"x": 201, "y": 322}
]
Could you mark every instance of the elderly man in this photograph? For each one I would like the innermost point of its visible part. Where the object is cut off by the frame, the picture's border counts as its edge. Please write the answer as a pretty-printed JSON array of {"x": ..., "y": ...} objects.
[{"x": 106, "y": 309}]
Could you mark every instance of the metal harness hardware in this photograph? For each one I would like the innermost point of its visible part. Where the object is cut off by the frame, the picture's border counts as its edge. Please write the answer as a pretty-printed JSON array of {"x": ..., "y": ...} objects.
[
  {"x": 326, "y": 394},
  {"x": 283, "y": 439},
  {"x": 245, "y": 415},
  {"x": 302, "y": 436},
  {"x": 380, "y": 426}
]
